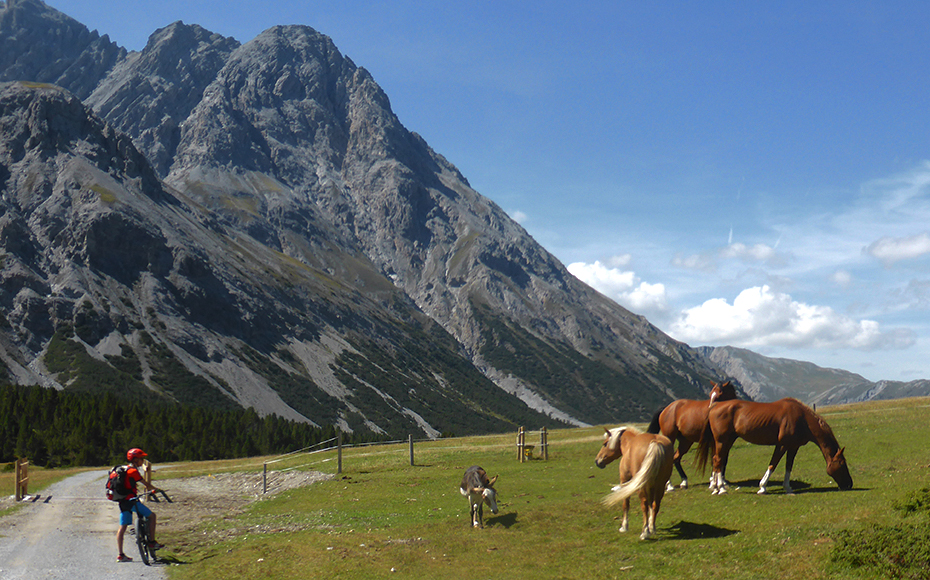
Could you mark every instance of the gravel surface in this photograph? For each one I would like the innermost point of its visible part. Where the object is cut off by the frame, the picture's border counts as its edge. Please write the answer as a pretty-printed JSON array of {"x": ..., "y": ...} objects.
[{"x": 72, "y": 535}]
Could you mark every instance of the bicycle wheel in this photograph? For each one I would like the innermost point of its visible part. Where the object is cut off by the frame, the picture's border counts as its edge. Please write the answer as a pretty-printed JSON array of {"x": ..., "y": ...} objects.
[{"x": 142, "y": 539}]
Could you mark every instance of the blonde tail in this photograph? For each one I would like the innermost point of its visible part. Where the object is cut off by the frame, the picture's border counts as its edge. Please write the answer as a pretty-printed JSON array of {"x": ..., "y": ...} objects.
[{"x": 648, "y": 472}]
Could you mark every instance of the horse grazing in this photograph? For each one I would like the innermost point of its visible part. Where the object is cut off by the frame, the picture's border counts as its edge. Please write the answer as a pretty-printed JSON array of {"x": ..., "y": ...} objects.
[
  {"x": 787, "y": 424},
  {"x": 645, "y": 466},
  {"x": 683, "y": 421},
  {"x": 479, "y": 490}
]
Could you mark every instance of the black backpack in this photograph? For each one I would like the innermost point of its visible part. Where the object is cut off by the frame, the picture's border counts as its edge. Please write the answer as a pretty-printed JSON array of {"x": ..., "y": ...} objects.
[{"x": 118, "y": 484}]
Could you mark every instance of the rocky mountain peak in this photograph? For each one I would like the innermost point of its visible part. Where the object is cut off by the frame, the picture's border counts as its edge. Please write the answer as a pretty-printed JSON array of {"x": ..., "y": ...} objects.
[
  {"x": 38, "y": 43},
  {"x": 305, "y": 253}
]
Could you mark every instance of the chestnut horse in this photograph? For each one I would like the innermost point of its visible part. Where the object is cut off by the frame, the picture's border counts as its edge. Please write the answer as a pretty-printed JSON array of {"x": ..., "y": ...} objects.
[
  {"x": 683, "y": 421},
  {"x": 645, "y": 466},
  {"x": 787, "y": 424}
]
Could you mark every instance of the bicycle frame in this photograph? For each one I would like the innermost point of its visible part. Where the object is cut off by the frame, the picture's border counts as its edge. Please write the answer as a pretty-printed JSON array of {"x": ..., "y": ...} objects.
[{"x": 142, "y": 533}]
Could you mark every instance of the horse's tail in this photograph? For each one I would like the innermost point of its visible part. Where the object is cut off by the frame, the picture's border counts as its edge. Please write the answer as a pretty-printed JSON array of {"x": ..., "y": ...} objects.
[
  {"x": 649, "y": 472},
  {"x": 654, "y": 425},
  {"x": 705, "y": 447}
]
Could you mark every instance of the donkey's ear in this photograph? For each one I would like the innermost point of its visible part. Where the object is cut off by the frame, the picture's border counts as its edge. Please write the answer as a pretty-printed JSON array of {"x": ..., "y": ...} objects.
[{"x": 493, "y": 479}]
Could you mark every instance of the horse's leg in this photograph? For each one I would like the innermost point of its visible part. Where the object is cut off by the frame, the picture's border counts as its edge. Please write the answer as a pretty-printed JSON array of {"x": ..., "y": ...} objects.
[
  {"x": 647, "y": 514},
  {"x": 625, "y": 524},
  {"x": 718, "y": 485},
  {"x": 683, "y": 446},
  {"x": 776, "y": 457},
  {"x": 789, "y": 463}
]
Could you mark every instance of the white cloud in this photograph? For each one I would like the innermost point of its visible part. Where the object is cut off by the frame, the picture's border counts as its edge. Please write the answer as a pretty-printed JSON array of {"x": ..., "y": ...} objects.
[
  {"x": 619, "y": 260},
  {"x": 708, "y": 261},
  {"x": 756, "y": 253},
  {"x": 890, "y": 250},
  {"x": 623, "y": 286},
  {"x": 759, "y": 317},
  {"x": 519, "y": 217},
  {"x": 699, "y": 262},
  {"x": 842, "y": 278}
]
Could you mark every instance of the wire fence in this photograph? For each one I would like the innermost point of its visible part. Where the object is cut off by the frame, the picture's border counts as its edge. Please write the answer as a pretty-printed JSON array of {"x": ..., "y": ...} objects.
[{"x": 315, "y": 457}]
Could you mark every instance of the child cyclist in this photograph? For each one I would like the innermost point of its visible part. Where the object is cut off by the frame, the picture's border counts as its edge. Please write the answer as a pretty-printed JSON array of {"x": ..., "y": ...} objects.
[{"x": 132, "y": 504}]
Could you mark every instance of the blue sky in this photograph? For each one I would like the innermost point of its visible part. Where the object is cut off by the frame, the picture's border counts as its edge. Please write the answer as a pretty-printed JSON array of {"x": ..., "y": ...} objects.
[{"x": 740, "y": 173}]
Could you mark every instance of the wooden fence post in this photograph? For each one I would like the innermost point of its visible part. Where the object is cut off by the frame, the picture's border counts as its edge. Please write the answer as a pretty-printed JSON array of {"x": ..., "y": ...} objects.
[
  {"x": 338, "y": 452},
  {"x": 146, "y": 475},
  {"x": 521, "y": 444},
  {"x": 21, "y": 479},
  {"x": 410, "y": 439},
  {"x": 544, "y": 443}
]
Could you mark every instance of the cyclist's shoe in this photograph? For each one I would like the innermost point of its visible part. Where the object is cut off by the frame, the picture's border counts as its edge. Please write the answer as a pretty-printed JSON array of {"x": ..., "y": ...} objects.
[
  {"x": 123, "y": 558},
  {"x": 156, "y": 545}
]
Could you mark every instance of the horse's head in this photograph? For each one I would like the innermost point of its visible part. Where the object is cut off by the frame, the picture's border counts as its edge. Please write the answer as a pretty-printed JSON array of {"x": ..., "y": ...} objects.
[
  {"x": 722, "y": 392},
  {"x": 839, "y": 471},
  {"x": 610, "y": 450}
]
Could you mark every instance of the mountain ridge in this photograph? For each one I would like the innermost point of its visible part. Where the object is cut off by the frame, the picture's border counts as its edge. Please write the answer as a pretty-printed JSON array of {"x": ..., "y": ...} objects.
[{"x": 301, "y": 252}]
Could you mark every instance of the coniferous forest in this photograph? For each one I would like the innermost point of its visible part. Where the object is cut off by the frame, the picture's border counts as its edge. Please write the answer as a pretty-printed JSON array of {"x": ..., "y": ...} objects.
[{"x": 60, "y": 429}]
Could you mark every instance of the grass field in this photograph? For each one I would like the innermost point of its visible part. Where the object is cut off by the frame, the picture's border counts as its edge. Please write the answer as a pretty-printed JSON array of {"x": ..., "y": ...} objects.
[{"x": 386, "y": 519}]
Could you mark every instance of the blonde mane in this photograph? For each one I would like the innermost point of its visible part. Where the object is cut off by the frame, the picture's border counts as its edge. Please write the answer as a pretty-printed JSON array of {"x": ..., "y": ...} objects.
[{"x": 613, "y": 440}]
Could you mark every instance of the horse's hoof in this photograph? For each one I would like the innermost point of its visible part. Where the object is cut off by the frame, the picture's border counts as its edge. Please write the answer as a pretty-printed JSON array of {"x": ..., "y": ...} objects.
[
  {"x": 670, "y": 487},
  {"x": 623, "y": 529},
  {"x": 761, "y": 491},
  {"x": 684, "y": 484}
]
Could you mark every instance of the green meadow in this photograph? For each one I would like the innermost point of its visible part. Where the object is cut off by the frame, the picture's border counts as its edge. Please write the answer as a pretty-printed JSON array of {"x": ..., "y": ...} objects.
[{"x": 383, "y": 518}]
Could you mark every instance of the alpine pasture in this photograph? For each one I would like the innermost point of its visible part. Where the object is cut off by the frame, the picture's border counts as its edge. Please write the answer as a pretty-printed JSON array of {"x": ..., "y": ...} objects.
[{"x": 383, "y": 518}]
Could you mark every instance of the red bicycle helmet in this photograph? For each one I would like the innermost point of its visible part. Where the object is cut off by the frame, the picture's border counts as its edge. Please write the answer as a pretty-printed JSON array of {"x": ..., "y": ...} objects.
[{"x": 134, "y": 453}]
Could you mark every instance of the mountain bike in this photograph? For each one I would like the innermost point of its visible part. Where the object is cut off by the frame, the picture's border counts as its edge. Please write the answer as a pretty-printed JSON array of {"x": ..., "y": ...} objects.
[{"x": 146, "y": 550}]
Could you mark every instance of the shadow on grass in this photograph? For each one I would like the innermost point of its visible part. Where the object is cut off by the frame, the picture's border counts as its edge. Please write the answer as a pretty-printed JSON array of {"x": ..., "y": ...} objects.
[
  {"x": 691, "y": 531},
  {"x": 505, "y": 520},
  {"x": 777, "y": 487}
]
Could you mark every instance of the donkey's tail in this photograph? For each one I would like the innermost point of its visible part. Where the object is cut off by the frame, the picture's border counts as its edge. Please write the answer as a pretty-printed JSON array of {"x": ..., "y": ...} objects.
[
  {"x": 705, "y": 447},
  {"x": 648, "y": 473}
]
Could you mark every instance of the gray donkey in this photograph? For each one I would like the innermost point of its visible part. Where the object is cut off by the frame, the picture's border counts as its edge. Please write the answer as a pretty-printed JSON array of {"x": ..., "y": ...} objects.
[{"x": 479, "y": 490}]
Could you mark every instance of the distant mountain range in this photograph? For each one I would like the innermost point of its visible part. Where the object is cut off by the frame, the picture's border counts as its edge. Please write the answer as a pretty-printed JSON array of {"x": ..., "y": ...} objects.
[
  {"x": 222, "y": 224},
  {"x": 769, "y": 379}
]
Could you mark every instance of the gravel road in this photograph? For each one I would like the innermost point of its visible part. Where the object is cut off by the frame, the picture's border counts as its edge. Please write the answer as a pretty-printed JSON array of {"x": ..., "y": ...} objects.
[{"x": 70, "y": 537}]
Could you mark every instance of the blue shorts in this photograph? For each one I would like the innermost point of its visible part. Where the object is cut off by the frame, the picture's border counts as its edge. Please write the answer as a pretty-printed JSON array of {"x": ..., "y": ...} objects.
[{"x": 126, "y": 507}]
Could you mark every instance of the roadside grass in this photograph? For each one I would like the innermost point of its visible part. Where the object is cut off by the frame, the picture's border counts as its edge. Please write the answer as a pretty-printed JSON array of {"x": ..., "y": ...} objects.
[
  {"x": 383, "y": 518},
  {"x": 39, "y": 479}
]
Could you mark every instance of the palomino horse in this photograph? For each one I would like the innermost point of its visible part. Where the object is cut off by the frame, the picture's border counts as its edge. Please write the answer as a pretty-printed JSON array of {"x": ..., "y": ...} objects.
[
  {"x": 787, "y": 424},
  {"x": 683, "y": 421},
  {"x": 479, "y": 490},
  {"x": 645, "y": 466}
]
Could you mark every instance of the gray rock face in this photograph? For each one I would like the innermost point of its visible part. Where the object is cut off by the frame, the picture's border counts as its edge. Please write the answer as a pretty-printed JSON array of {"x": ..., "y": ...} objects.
[
  {"x": 301, "y": 239},
  {"x": 40, "y": 44}
]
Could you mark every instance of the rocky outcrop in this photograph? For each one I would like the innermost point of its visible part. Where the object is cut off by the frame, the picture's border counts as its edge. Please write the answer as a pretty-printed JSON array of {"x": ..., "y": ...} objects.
[{"x": 290, "y": 238}]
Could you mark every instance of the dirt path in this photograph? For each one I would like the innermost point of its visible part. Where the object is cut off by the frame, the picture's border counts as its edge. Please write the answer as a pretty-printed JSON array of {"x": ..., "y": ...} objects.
[{"x": 72, "y": 536}]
